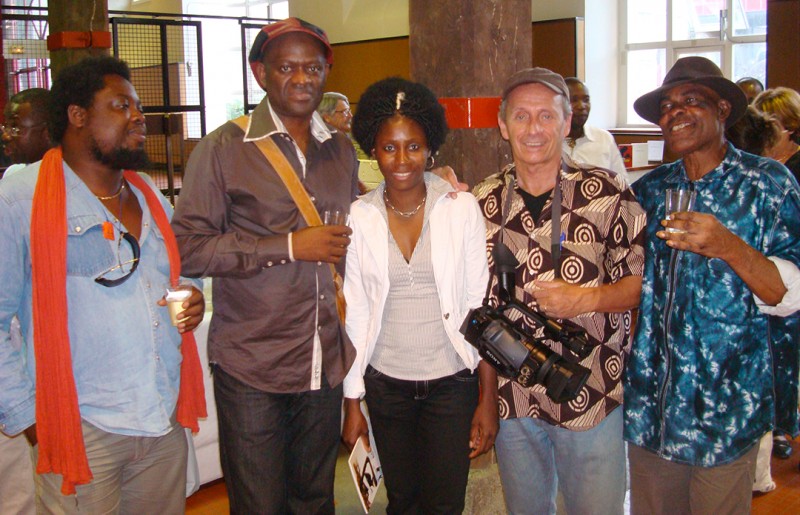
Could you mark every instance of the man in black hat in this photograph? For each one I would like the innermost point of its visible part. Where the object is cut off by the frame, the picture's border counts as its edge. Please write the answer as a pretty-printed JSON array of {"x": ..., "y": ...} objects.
[
  {"x": 710, "y": 373},
  {"x": 586, "y": 273},
  {"x": 278, "y": 351}
]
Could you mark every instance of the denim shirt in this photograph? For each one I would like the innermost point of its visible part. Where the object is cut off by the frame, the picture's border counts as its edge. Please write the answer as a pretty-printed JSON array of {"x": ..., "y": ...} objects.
[
  {"x": 709, "y": 373},
  {"x": 125, "y": 352}
]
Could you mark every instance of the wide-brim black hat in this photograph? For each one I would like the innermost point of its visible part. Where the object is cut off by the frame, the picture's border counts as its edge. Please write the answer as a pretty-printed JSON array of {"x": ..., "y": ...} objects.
[{"x": 695, "y": 70}]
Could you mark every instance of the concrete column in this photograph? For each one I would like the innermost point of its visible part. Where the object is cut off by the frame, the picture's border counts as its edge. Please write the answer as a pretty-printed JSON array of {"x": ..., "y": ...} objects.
[
  {"x": 80, "y": 16},
  {"x": 467, "y": 48}
]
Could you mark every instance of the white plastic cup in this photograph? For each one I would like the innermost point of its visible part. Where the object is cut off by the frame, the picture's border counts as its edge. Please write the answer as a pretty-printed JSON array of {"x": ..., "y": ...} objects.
[
  {"x": 678, "y": 201},
  {"x": 176, "y": 296}
]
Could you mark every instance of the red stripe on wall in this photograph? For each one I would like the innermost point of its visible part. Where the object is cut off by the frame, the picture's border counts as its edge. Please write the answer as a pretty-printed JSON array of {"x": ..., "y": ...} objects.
[{"x": 471, "y": 112}]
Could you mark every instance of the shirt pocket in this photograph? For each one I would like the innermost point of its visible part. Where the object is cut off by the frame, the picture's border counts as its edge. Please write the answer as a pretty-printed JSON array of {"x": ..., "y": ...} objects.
[{"x": 89, "y": 253}]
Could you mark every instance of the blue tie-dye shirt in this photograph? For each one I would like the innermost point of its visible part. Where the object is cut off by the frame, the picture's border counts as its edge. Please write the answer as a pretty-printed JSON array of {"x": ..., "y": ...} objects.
[{"x": 709, "y": 374}]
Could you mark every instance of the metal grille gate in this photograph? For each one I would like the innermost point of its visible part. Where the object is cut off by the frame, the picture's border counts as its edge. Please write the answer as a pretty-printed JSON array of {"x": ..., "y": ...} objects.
[{"x": 166, "y": 62}]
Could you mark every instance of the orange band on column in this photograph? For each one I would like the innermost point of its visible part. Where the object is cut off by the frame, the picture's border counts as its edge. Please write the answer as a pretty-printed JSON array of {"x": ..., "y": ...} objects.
[
  {"x": 74, "y": 39},
  {"x": 471, "y": 112}
]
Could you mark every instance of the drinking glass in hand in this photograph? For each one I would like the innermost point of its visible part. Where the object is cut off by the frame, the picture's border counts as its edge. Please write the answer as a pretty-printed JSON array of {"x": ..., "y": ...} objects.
[{"x": 678, "y": 200}]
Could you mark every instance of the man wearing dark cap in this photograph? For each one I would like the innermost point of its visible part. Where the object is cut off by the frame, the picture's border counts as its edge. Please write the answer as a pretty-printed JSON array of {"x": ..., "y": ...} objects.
[
  {"x": 587, "y": 275},
  {"x": 278, "y": 351},
  {"x": 710, "y": 371}
]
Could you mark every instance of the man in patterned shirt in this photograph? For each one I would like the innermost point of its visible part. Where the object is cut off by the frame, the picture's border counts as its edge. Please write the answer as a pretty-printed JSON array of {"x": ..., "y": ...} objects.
[
  {"x": 710, "y": 372},
  {"x": 576, "y": 446}
]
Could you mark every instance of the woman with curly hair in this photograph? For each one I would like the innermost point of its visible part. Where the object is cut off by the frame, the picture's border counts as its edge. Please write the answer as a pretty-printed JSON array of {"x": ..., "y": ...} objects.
[{"x": 415, "y": 266}]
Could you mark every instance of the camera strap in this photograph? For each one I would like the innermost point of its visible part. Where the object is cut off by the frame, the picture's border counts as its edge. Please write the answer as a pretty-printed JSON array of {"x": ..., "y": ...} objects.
[{"x": 555, "y": 219}]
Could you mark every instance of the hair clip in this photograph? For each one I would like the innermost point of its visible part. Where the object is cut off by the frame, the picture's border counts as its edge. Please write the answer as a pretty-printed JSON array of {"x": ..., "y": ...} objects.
[{"x": 400, "y": 97}]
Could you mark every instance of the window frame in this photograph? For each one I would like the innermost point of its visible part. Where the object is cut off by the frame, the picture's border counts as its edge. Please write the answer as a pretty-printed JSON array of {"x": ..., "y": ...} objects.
[{"x": 720, "y": 40}]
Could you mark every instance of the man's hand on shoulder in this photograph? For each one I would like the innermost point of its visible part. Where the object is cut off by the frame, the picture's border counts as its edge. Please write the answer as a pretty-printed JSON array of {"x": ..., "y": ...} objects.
[
  {"x": 326, "y": 243},
  {"x": 448, "y": 174}
]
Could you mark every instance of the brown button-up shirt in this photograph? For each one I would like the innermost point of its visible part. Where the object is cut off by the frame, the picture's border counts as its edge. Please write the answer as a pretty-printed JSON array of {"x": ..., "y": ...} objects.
[{"x": 232, "y": 223}]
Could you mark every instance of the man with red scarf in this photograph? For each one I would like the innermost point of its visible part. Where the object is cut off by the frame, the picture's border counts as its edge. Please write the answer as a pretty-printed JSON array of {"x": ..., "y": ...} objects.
[{"x": 103, "y": 381}]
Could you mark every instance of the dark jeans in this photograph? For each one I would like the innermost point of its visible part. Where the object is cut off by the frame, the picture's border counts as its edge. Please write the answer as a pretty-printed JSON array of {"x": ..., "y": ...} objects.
[
  {"x": 421, "y": 429},
  {"x": 278, "y": 451}
]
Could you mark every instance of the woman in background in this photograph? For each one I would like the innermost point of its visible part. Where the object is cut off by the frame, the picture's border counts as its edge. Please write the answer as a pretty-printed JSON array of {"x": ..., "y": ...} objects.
[
  {"x": 755, "y": 132},
  {"x": 784, "y": 105},
  {"x": 415, "y": 266}
]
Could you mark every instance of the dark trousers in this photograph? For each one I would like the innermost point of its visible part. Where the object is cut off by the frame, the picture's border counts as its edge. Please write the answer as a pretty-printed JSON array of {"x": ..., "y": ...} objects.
[
  {"x": 421, "y": 430},
  {"x": 278, "y": 451}
]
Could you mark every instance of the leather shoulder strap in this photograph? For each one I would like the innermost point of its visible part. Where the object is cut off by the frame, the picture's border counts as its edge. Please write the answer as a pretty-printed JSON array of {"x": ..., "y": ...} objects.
[{"x": 287, "y": 174}]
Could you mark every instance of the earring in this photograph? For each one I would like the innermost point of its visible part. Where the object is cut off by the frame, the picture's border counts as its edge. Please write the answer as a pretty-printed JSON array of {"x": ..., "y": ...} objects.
[
  {"x": 374, "y": 165},
  {"x": 433, "y": 162}
]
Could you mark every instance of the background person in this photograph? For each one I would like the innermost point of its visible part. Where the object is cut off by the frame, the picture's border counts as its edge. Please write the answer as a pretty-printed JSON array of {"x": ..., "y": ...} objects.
[
  {"x": 415, "y": 267},
  {"x": 710, "y": 372},
  {"x": 335, "y": 110},
  {"x": 751, "y": 87},
  {"x": 754, "y": 132},
  {"x": 25, "y": 132},
  {"x": 103, "y": 378},
  {"x": 26, "y": 140},
  {"x": 784, "y": 105},
  {"x": 586, "y": 144},
  {"x": 574, "y": 446}
]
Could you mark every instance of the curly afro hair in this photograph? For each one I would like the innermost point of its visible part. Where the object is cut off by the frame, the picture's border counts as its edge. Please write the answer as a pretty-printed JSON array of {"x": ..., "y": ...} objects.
[
  {"x": 77, "y": 85},
  {"x": 395, "y": 95}
]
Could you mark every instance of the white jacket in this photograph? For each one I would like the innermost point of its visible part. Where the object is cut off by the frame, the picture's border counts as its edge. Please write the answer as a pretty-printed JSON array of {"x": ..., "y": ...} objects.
[{"x": 458, "y": 253}]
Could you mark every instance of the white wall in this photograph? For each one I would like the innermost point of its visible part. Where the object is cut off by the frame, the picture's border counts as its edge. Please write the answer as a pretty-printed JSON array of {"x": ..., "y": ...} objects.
[
  {"x": 355, "y": 20},
  {"x": 602, "y": 60},
  {"x": 154, "y": 6},
  {"x": 558, "y": 9}
]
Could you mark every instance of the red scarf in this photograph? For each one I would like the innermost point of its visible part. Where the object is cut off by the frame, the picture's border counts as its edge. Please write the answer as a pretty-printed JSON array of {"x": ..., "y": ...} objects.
[{"x": 58, "y": 419}]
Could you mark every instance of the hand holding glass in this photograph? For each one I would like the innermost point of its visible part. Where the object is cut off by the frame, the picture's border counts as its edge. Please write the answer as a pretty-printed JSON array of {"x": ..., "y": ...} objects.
[
  {"x": 678, "y": 200},
  {"x": 176, "y": 296},
  {"x": 335, "y": 217}
]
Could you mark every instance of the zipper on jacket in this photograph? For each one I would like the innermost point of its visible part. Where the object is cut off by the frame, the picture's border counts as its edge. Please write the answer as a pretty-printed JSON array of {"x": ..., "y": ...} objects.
[
  {"x": 672, "y": 278},
  {"x": 672, "y": 281}
]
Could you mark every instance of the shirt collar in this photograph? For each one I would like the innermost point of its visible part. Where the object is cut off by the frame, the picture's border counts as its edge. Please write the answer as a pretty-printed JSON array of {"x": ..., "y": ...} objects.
[
  {"x": 731, "y": 161},
  {"x": 588, "y": 134},
  {"x": 264, "y": 122}
]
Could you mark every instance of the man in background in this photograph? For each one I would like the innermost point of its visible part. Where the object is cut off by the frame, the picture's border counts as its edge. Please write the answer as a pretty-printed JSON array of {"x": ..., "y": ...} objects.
[
  {"x": 25, "y": 132},
  {"x": 751, "y": 87},
  {"x": 589, "y": 145},
  {"x": 335, "y": 110},
  {"x": 26, "y": 140}
]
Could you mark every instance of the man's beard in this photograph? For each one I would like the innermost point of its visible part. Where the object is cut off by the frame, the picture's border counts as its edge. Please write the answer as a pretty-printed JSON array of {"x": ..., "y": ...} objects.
[{"x": 122, "y": 158}]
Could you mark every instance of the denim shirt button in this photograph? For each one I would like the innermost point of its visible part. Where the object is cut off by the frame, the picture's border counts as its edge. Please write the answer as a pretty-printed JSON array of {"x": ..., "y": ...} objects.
[
  {"x": 77, "y": 228},
  {"x": 155, "y": 324}
]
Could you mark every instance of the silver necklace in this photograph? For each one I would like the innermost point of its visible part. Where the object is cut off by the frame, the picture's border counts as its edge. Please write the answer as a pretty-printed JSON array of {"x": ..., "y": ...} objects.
[{"x": 404, "y": 214}]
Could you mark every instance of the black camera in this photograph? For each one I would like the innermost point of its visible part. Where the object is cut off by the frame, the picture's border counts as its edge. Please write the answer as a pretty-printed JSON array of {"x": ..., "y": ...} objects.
[
  {"x": 517, "y": 355},
  {"x": 520, "y": 357}
]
